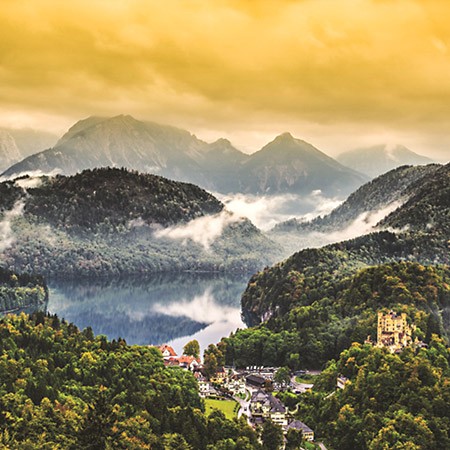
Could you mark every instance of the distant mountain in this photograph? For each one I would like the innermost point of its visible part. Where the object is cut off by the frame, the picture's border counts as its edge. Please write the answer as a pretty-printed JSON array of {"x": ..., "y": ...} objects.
[
  {"x": 291, "y": 165},
  {"x": 112, "y": 221},
  {"x": 284, "y": 165},
  {"x": 376, "y": 160},
  {"x": 388, "y": 190},
  {"x": 9, "y": 152},
  {"x": 29, "y": 140},
  {"x": 121, "y": 142}
]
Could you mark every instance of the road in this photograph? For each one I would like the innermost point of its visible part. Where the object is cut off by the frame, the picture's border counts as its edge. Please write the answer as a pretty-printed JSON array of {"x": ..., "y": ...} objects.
[
  {"x": 245, "y": 407},
  {"x": 300, "y": 387}
]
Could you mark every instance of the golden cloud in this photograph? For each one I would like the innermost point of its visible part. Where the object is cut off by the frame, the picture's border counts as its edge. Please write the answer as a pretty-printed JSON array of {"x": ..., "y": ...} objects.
[{"x": 353, "y": 64}]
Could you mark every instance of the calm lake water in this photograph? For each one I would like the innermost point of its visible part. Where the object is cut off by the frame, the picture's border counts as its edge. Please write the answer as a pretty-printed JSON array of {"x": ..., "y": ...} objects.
[{"x": 170, "y": 308}]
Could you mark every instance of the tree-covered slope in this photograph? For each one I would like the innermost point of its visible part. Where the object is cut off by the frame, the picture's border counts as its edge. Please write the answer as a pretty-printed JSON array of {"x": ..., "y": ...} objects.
[
  {"x": 93, "y": 198},
  {"x": 315, "y": 318},
  {"x": 65, "y": 389},
  {"x": 416, "y": 241},
  {"x": 391, "y": 188},
  {"x": 21, "y": 291},
  {"x": 106, "y": 222},
  {"x": 391, "y": 401},
  {"x": 314, "y": 304}
]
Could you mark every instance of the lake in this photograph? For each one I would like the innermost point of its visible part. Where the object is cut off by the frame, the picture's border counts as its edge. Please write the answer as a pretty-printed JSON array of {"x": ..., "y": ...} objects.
[{"x": 169, "y": 308}]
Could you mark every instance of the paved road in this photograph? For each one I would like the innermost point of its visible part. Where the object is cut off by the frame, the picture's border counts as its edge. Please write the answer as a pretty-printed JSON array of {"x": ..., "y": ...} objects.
[
  {"x": 244, "y": 409},
  {"x": 321, "y": 445},
  {"x": 300, "y": 387}
]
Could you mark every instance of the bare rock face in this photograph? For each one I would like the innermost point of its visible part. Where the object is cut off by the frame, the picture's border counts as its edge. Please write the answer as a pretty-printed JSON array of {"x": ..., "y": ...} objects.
[{"x": 9, "y": 152}]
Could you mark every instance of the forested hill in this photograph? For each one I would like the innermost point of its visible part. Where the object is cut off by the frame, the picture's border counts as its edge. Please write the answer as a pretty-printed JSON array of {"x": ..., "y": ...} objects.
[
  {"x": 108, "y": 222},
  {"x": 391, "y": 188},
  {"x": 21, "y": 291},
  {"x": 391, "y": 401},
  {"x": 65, "y": 389},
  {"x": 315, "y": 317},
  {"x": 428, "y": 205},
  {"x": 424, "y": 238},
  {"x": 109, "y": 196}
]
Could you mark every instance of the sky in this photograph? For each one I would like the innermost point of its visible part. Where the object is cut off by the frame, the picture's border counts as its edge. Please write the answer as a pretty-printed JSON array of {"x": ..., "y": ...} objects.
[{"x": 340, "y": 74}]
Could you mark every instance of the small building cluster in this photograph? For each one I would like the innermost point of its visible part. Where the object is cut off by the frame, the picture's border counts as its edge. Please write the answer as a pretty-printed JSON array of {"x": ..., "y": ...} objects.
[
  {"x": 253, "y": 384},
  {"x": 171, "y": 358}
]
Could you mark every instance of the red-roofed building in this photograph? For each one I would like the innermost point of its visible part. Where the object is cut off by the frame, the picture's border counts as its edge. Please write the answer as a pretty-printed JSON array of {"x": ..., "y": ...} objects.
[
  {"x": 189, "y": 362},
  {"x": 167, "y": 351}
]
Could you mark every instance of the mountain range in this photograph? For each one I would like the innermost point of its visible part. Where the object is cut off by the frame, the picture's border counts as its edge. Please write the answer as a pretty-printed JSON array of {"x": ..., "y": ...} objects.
[
  {"x": 378, "y": 159},
  {"x": 285, "y": 165}
]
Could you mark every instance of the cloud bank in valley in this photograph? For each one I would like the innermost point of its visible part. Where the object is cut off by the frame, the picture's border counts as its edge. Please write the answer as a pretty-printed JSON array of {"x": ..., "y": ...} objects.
[
  {"x": 266, "y": 211},
  {"x": 203, "y": 230},
  {"x": 6, "y": 233},
  {"x": 365, "y": 223}
]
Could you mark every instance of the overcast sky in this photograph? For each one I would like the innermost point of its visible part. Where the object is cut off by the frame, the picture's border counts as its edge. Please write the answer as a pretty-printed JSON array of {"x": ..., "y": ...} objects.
[{"x": 337, "y": 73}]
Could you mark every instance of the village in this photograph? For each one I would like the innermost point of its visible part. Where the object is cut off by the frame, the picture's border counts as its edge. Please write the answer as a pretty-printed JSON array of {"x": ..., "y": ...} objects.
[{"x": 253, "y": 391}]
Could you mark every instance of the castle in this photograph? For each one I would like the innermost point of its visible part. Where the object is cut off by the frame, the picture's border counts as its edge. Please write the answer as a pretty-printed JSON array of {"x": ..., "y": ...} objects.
[{"x": 393, "y": 331}]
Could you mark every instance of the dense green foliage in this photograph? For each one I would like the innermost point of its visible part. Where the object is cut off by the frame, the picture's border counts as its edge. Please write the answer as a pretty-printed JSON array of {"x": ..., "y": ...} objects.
[
  {"x": 103, "y": 222},
  {"x": 318, "y": 320},
  {"x": 21, "y": 291},
  {"x": 65, "y": 389},
  {"x": 393, "y": 401},
  {"x": 313, "y": 305}
]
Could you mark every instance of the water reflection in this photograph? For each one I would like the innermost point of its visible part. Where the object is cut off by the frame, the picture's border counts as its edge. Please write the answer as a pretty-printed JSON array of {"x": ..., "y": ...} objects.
[{"x": 167, "y": 308}]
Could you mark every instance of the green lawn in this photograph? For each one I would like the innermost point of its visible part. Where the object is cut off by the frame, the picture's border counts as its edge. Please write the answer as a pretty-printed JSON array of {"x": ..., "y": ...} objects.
[{"x": 228, "y": 407}]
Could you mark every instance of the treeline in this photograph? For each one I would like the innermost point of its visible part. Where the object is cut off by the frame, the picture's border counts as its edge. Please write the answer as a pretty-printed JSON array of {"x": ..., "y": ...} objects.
[
  {"x": 65, "y": 389},
  {"x": 21, "y": 290},
  {"x": 51, "y": 252},
  {"x": 391, "y": 401},
  {"x": 321, "y": 317}
]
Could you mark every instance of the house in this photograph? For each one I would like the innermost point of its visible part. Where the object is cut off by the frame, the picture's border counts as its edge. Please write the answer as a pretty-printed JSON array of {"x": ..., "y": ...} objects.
[
  {"x": 278, "y": 412},
  {"x": 206, "y": 390},
  {"x": 265, "y": 406},
  {"x": 188, "y": 362},
  {"x": 220, "y": 376},
  {"x": 171, "y": 361},
  {"x": 393, "y": 331},
  {"x": 255, "y": 380},
  {"x": 308, "y": 434},
  {"x": 167, "y": 351},
  {"x": 235, "y": 386}
]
